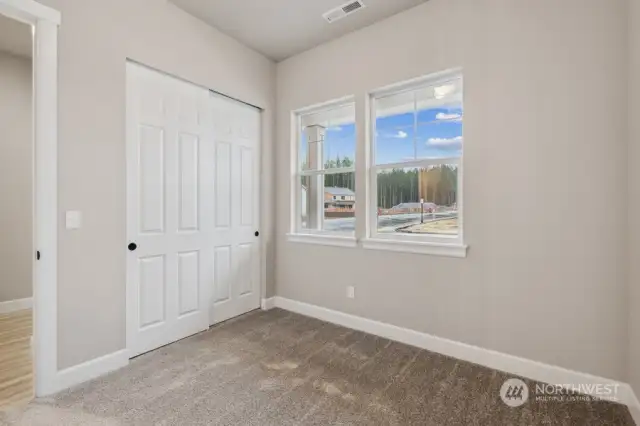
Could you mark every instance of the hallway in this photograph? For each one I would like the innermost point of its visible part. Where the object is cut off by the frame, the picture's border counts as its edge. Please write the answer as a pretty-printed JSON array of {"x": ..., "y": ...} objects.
[{"x": 16, "y": 370}]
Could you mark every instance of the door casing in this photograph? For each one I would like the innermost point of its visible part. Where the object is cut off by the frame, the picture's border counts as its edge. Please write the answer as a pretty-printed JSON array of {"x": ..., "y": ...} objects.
[{"x": 45, "y": 21}]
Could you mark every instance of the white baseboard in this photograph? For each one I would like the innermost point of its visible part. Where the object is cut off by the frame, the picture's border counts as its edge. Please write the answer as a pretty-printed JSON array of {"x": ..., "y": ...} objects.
[
  {"x": 90, "y": 370},
  {"x": 634, "y": 406},
  {"x": 517, "y": 366},
  {"x": 269, "y": 303},
  {"x": 16, "y": 305}
]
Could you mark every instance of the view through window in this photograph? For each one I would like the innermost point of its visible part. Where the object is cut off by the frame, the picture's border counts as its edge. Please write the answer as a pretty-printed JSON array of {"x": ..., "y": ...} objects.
[
  {"x": 327, "y": 192},
  {"x": 415, "y": 170},
  {"x": 418, "y": 150}
]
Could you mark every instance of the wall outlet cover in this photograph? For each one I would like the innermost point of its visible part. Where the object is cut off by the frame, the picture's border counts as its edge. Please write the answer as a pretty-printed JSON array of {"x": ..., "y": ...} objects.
[
  {"x": 351, "y": 292},
  {"x": 74, "y": 219}
]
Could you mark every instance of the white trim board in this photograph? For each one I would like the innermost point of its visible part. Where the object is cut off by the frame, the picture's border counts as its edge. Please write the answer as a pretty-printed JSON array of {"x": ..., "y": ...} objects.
[
  {"x": 267, "y": 304},
  {"x": 45, "y": 216},
  {"x": 486, "y": 357},
  {"x": 90, "y": 370},
  {"x": 15, "y": 305},
  {"x": 29, "y": 11},
  {"x": 634, "y": 406}
]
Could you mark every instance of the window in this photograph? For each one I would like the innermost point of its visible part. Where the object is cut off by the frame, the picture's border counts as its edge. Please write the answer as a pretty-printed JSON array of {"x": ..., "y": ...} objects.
[
  {"x": 413, "y": 171},
  {"x": 325, "y": 175},
  {"x": 416, "y": 161}
]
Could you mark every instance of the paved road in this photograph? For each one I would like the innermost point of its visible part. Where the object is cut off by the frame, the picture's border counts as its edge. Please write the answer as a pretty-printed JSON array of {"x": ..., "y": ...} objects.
[{"x": 385, "y": 223}]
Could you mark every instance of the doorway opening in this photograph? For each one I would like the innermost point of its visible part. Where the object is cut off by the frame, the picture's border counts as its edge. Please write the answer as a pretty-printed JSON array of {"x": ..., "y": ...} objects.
[
  {"x": 16, "y": 212},
  {"x": 32, "y": 313}
]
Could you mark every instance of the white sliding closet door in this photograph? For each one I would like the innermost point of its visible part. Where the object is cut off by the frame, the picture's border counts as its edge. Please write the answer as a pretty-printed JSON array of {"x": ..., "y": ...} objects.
[
  {"x": 170, "y": 196},
  {"x": 236, "y": 258},
  {"x": 192, "y": 209}
]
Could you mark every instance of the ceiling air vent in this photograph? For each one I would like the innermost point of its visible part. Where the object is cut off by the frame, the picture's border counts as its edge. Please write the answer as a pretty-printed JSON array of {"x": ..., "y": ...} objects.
[{"x": 342, "y": 11}]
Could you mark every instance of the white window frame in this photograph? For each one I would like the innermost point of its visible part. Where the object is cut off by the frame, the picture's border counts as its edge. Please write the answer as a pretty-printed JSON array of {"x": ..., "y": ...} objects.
[
  {"x": 448, "y": 245},
  {"x": 297, "y": 233}
]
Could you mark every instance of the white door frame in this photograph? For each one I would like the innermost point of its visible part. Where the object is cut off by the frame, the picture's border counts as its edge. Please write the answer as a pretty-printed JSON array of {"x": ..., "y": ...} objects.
[{"x": 45, "y": 21}]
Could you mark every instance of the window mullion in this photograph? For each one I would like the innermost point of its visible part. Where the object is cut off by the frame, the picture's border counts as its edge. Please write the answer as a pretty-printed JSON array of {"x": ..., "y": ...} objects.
[
  {"x": 371, "y": 185},
  {"x": 415, "y": 125},
  {"x": 320, "y": 201},
  {"x": 362, "y": 125},
  {"x": 297, "y": 208},
  {"x": 372, "y": 220}
]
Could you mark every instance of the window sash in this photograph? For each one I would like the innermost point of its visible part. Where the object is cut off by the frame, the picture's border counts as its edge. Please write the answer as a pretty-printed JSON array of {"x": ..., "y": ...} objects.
[
  {"x": 372, "y": 193},
  {"x": 435, "y": 79},
  {"x": 299, "y": 117},
  {"x": 371, "y": 188},
  {"x": 425, "y": 162},
  {"x": 335, "y": 171},
  {"x": 298, "y": 229}
]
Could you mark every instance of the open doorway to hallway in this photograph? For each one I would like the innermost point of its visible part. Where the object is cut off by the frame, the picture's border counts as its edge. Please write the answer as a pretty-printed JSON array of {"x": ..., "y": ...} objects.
[{"x": 16, "y": 213}]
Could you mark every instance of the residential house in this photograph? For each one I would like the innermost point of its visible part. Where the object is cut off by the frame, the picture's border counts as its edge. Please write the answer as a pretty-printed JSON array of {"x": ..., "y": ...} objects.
[{"x": 339, "y": 198}]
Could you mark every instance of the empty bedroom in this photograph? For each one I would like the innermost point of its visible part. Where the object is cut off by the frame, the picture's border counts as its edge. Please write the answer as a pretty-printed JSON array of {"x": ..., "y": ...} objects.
[{"x": 327, "y": 212}]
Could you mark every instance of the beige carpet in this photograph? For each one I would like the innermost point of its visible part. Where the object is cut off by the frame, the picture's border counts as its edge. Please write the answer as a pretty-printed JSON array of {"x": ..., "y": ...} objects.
[{"x": 278, "y": 368}]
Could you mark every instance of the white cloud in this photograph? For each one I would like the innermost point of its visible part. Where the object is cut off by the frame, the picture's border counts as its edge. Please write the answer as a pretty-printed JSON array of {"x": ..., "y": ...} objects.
[
  {"x": 443, "y": 143},
  {"x": 335, "y": 129},
  {"x": 450, "y": 117},
  {"x": 397, "y": 135}
]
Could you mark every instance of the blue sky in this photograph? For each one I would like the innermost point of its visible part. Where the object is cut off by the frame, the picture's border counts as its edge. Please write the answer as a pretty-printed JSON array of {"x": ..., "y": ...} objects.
[{"x": 439, "y": 134}]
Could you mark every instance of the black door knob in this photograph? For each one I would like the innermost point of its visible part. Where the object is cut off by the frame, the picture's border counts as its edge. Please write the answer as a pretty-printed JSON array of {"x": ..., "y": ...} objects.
[
  {"x": 132, "y": 246},
  {"x": 257, "y": 234}
]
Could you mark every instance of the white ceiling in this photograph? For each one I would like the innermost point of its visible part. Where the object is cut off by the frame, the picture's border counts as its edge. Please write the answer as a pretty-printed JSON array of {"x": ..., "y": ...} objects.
[
  {"x": 15, "y": 37},
  {"x": 282, "y": 28}
]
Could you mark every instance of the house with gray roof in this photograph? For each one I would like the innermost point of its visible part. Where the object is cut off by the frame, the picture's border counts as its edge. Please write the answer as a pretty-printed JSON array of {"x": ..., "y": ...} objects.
[{"x": 339, "y": 198}]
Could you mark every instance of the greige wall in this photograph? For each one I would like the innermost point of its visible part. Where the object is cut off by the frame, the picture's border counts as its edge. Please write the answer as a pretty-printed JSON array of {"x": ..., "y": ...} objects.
[
  {"x": 95, "y": 39},
  {"x": 545, "y": 179},
  {"x": 16, "y": 153},
  {"x": 634, "y": 195}
]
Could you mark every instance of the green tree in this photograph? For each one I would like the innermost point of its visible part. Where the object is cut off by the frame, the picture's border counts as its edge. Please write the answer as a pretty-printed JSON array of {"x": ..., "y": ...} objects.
[
  {"x": 398, "y": 186},
  {"x": 339, "y": 180}
]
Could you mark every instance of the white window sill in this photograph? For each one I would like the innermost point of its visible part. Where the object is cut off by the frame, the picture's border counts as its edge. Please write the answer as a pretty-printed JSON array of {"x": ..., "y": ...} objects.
[
  {"x": 323, "y": 239},
  {"x": 437, "y": 249}
]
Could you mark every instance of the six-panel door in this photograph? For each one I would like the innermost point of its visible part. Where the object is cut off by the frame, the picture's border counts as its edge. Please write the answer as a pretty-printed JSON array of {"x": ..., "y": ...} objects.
[
  {"x": 236, "y": 260},
  {"x": 186, "y": 168}
]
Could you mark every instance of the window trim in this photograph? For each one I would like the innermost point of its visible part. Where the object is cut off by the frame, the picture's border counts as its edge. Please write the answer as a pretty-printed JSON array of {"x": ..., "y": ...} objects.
[
  {"x": 376, "y": 240},
  {"x": 421, "y": 247},
  {"x": 323, "y": 238},
  {"x": 434, "y": 78},
  {"x": 365, "y": 235}
]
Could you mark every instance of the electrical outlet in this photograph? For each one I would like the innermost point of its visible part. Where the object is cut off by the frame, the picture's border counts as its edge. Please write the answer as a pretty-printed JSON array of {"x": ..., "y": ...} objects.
[{"x": 351, "y": 292}]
